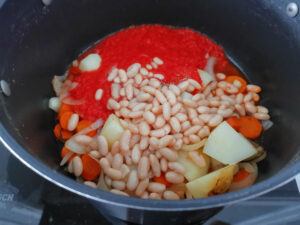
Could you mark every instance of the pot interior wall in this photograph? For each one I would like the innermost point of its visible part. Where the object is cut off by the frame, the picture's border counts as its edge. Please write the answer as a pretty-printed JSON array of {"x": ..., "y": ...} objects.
[{"x": 38, "y": 42}]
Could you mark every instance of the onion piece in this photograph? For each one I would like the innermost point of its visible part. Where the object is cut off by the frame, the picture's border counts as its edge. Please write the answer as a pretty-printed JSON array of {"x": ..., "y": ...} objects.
[
  {"x": 64, "y": 92},
  {"x": 57, "y": 85},
  {"x": 65, "y": 158},
  {"x": 210, "y": 65},
  {"x": 70, "y": 101},
  {"x": 248, "y": 181},
  {"x": 195, "y": 146},
  {"x": 101, "y": 183},
  {"x": 206, "y": 77},
  {"x": 74, "y": 147},
  {"x": 186, "y": 95},
  {"x": 94, "y": 126},
  {"x": 267, "y": 124}
]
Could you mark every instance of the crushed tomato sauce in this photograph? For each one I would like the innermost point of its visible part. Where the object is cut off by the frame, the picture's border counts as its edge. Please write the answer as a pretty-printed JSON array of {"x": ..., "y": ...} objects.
[{"x": 182, "y": 50}]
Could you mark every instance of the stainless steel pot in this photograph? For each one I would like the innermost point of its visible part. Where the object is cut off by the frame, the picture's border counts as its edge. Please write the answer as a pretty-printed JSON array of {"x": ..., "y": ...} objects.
[{"x": 38, "y": 41}]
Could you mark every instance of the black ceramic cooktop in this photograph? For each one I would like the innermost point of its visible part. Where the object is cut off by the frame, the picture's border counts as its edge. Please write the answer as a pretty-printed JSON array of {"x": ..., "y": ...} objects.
[{"x": 27, "y": 199}]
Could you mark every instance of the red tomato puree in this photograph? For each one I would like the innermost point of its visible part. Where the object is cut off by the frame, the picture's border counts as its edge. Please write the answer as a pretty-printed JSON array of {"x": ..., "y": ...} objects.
[{"x": 182, "y": 50}]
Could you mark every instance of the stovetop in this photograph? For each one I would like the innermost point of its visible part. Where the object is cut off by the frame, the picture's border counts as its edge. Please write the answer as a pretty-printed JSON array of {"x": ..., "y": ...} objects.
[{"x": 28, "y": 199}]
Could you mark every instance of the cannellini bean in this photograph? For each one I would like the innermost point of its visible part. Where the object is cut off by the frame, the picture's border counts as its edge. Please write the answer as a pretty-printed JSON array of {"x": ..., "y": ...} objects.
[
  {"x": 262, "y": 109},
  {"x": 175, "y": 124},
  {"x": 124, "y": 140},
  {"x": 215, "y": 120},
  {"x": 154, "y": 83},
  {"x": 136, "y": 154},
  {"x": 132, "y": 181},
  {"x": 166, "y": 108},
  {"x": 123, "y": 76},
  {"x": 113, "y": 74},
  {"x": 115, "y": 91},
  {"x": 192, "y": 130},
  {"x": 142, "y": 186},
  {"x": 250, "y": 107},
  {"x": 102, "y": 145},
  {"x": 169, "y": 154},
  {"x": 253, "y": 88},
  {"x": 176, "y": 167},
  {"x": 77, "y": 166},
  {"x": 174, "y": 178},
  {"x": 117, "y": 161},
  {"x": 156, "y": 187},
  {"x": 133, "y": 70},
  {"x": 163, "y": 164},
  {"x": 143, "y": 167},
  {"x": 155, "y": 166},
  {"x": 261, "y": 116},
  {"x": 144, "y": 128}
]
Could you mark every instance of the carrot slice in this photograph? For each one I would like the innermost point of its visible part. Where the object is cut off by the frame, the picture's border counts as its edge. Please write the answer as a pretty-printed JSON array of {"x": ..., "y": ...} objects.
[
  {"x": 234, "y": 122},
  {"x": 64, "y": 119},
  {"x": 84, "y": 124},
  {"x": 64, "y": 108},
  {"x": 65, "y": 134},
  {"x": 241, "y": 175},
  {"x": 91, "y": 168},
  {"x": 250, "y": 127},
  {"x": 64, "y": 152},
  {"x": 232, "y": 79},
  {"x": 56, "y": 131},
  {"x": 162, "y": 180}
]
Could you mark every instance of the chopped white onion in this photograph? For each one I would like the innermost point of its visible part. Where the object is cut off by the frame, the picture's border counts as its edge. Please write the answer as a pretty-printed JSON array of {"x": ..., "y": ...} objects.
[
  {"x": 210, "y": 65},
  {"x": 101, "y": 183},
  {"x": 90, "y": 62},
  {"x": 94, "y": 126},
  {"x": 70, "y": 101},
  {"x": 57, "y": 85},
  {"x": 195, "y": 146},
  {"x": 74, "y": 147},
  {"x": 65, "y": 158},
  {"x": 54, "y": 104},
  {"x": 64, "y": 92},
  {"x": 206, "y": 77},
  {"x": 267, "y": 124}
]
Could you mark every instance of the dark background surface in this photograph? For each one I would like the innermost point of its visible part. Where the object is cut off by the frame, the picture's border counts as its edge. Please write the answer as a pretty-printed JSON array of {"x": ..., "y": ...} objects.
[{"x": 26, "y": 198}]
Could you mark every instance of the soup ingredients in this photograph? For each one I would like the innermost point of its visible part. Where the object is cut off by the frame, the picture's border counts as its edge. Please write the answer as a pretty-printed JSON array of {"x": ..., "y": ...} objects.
[
  {"x": 228, "y": 146},
  {"x": 191, "y": 169},
  {"x": 213, "y": 183},
  {"x": 168, "y": 124},
  {"x": 112, "y": 130},
  {"x": 90, "y": 63},
  {"x": 245, "y": 177}
]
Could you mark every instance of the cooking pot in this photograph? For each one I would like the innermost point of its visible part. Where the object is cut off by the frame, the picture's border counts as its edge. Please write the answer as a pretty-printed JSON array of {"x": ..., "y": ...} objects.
[{"x": 39, "y": 41}]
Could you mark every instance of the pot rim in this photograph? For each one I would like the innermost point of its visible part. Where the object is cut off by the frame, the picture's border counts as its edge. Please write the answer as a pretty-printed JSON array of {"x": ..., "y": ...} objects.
[{"x": 105, "y": 197}]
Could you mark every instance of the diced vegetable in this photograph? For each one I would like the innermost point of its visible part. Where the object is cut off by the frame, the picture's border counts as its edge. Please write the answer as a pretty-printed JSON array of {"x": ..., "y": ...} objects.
[
  {"x": 191, "y": 170},
  {"x": 244, "y": 178},
  {"x": 90, "y": 167},
  {"x": 54, "y": 104},
  {"x": 90, "y": 62},
  {"x": 195, "y": 146},
  {"x": 217, "y": 182},
  {"x": 84, "y": 124},
  {"x": 250, "y": 127},
  {"x": 66, "y": 151},
  {"x": 74, "y": 147},
  {"x": 112, "y": 129},
  {"x": 228, "y": 146},
  {"x": 206, "y": 78},
  {"x": 234, "y": 122}
]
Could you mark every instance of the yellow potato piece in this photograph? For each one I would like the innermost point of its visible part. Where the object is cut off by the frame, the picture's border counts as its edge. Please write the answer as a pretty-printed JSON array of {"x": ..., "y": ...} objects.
[
  {"x": 217, "y": 182},
  {"x": 112, "y": 129},
  {"x": 191, "y": 170}
]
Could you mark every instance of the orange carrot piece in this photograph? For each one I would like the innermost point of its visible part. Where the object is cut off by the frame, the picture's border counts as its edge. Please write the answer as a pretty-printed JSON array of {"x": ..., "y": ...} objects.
[
  {"x": 84, "y": 124},
  {"x": 241, "y": 175},
  {"x": 250, "y": 127},
  {"x": 64, "y": 119},
  {"x": 57, "y": 131},
  {"x": 65, "y": 134},
  {"x": 234, "y": 122},
  {"x": 64, "y": 108},
  {"x": 231, "y": 79},
  {"x": 64, "y": 152},
  {"x": 91, "y": 168},
  {"x": 162, "y": 180}
]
